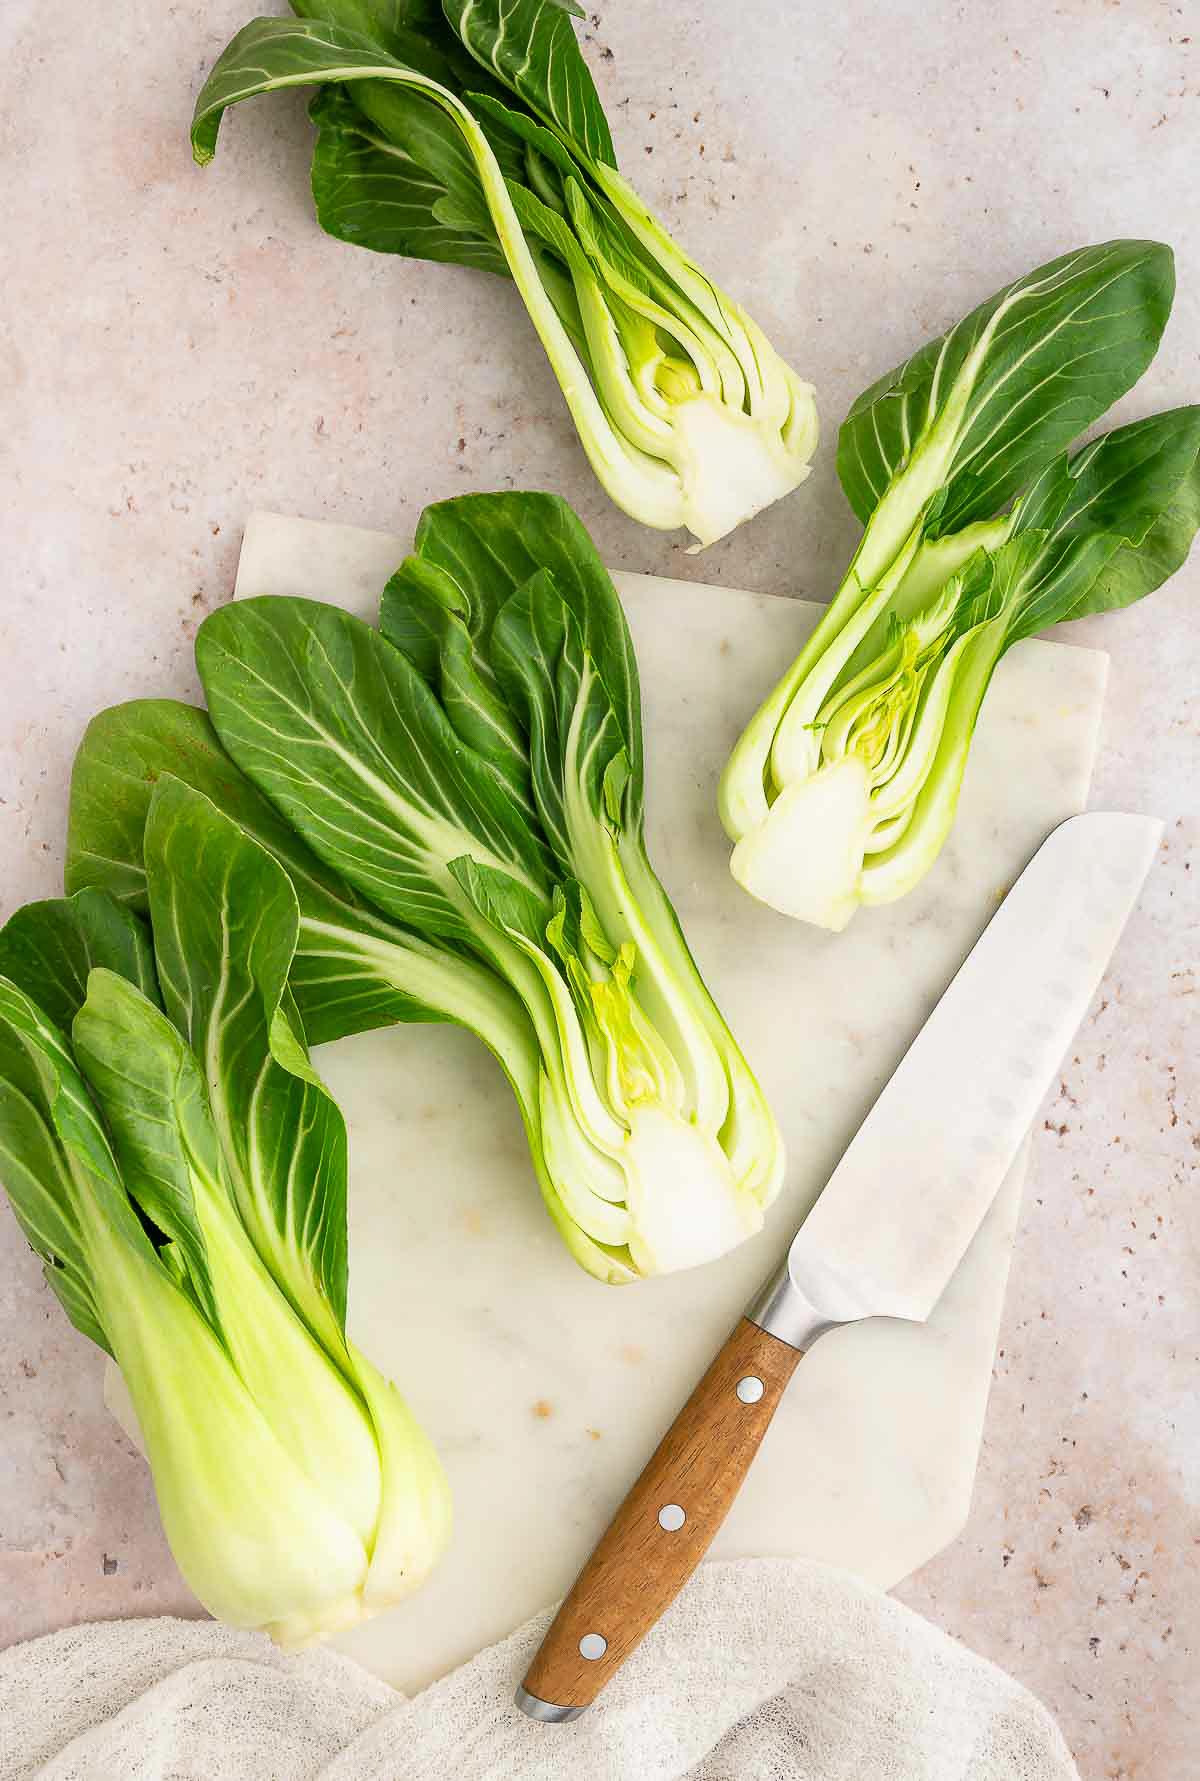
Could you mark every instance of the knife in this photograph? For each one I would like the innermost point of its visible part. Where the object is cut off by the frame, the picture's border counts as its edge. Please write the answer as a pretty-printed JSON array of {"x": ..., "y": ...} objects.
[{"x": 888, "y": 1231}]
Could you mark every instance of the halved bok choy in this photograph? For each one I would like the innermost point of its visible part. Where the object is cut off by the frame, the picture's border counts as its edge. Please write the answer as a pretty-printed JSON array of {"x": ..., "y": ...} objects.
[
  {"x": 474, "y": 771},
  {"x": 472, "y": 132},
  {"x": 983, "y": 525}
]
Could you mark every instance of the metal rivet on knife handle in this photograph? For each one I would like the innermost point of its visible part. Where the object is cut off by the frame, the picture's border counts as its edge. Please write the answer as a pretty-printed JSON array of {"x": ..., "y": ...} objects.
[
  {"x": 593, "y": 1646},
  {"x": 750, "y": 1389},
  {"x": 671, "y": 1518}
]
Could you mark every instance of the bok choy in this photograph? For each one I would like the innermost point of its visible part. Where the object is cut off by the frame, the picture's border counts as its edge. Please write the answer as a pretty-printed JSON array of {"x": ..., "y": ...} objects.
[
  {"x": 177, "y": 1164},
  {"x": 983, "y": 525},
  {"x": 474, "y": 772},
  {"x": 471, "y": 131}
]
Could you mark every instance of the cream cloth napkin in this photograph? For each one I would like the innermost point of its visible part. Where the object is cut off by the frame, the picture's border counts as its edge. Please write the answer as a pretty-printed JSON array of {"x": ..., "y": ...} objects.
[{"x": 764, "y": 1670}]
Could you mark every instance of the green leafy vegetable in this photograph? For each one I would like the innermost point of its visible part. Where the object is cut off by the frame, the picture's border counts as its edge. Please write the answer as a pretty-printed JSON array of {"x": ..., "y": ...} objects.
[
  {"x": 981, "y": 527},
  {"x": 183, "y": 1176},
  {"x": 353, "y": 970},
  {"x": 57, "y": 944},
  {"x": 475, "y": 773},
  {"x": 472, "y": 132}
]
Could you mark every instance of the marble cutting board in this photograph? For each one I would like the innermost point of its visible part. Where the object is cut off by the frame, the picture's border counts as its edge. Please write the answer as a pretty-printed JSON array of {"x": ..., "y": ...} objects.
[{"x": 545, "y": 1391}]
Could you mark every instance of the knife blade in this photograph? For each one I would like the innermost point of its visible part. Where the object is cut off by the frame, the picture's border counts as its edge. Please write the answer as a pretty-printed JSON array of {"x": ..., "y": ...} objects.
[
  {"x": 884, "y": 1238},
  {"x": 946, "y": 1128}
]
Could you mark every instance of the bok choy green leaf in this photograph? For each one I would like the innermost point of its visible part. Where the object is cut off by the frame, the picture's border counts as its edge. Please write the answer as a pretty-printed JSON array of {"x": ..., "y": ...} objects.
[
  {"x": 471, "y": 132},
  {"x": 353, "y": 969},
  {"x": 982, "y": 526},
  {"x": 474, "y": 771},
  {"x": 182, "y": 1172}
]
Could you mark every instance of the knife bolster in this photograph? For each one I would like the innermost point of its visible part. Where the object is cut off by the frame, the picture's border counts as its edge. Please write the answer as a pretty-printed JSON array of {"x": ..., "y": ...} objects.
[{"x": 782, "y": 1310}]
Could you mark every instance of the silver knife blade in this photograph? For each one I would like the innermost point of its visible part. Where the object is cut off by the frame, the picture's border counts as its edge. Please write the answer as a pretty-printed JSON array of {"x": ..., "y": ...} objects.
[{"x": 901, "y": 1208}]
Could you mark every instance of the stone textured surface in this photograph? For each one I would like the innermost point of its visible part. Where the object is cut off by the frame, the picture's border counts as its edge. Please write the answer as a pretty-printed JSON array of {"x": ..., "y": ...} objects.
[{"x": 177, "y": 348}]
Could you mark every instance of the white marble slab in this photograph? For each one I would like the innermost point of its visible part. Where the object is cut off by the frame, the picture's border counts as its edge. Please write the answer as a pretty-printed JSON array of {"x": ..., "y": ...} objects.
[{"x": 546, "y": 1391}]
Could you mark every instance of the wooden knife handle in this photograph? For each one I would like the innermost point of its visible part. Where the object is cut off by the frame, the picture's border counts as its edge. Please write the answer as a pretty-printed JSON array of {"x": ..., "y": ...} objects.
[{"x": 665, "y": 1525}]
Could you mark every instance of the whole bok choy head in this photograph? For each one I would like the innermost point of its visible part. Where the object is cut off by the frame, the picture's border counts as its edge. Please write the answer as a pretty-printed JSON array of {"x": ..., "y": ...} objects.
[
  {"x": 982, "y": 526},
  {"x": 182, "y": 1172},
  {"x": 470, "y": 131},
  {"x": 474, "y": 772}
]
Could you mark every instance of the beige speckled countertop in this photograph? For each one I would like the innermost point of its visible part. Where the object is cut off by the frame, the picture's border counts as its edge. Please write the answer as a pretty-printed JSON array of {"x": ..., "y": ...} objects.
[{"x": 177, "y": 348}]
